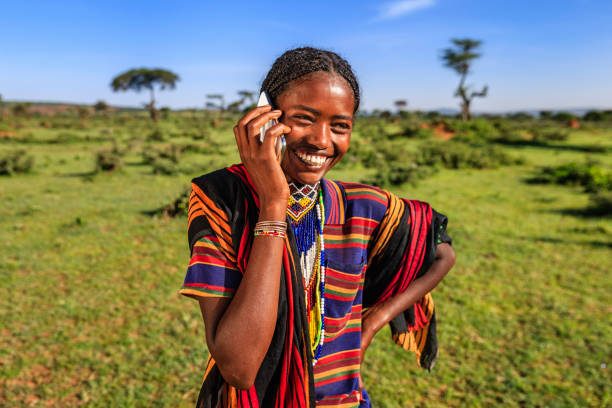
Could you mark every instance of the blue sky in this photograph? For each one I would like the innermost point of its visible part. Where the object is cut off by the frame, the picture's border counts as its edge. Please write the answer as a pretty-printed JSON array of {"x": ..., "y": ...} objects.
[{"x": 536, "y": 54}]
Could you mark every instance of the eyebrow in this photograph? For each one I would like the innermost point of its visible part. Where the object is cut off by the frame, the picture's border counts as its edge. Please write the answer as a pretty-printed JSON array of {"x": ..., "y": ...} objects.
[{"x": 317, "y": 113}]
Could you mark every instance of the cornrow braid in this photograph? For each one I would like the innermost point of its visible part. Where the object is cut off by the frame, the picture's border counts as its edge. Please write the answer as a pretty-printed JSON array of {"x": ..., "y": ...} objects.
[{"x": 298, "y": 62}]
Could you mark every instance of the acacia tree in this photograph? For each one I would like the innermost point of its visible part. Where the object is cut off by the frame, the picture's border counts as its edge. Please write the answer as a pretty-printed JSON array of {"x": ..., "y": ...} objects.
[
  {"x": 137, "y": 79},
  {"x": 247, "y": 97},
  {"x": 101, "y": 107},
  {"x": 401, "y": 104},
  {"x": 219, "y": 105},
  {"x": 460, "y": 58}
]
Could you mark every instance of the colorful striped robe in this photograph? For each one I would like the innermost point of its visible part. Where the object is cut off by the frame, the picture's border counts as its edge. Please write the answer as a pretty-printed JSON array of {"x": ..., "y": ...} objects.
[{"x": 376, "y": 245}]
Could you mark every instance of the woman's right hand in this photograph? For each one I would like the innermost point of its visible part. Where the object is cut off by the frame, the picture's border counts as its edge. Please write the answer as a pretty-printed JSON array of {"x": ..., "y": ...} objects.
[{"x": 260, "y": 158}]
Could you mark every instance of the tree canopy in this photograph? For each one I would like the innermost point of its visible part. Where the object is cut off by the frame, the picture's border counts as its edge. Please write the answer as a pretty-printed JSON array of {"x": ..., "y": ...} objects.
[{"x": 145, "y": 78}]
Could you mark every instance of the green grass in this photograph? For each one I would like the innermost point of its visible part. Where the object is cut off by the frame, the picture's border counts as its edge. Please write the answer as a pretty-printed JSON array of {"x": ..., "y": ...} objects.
[{"x": 88, "y": 280}]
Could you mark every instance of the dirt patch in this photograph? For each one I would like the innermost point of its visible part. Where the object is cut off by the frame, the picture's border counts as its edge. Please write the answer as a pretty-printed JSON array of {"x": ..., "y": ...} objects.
[
  {"x": 440, "y": 130},
  {"x": 574, "y": 124}
]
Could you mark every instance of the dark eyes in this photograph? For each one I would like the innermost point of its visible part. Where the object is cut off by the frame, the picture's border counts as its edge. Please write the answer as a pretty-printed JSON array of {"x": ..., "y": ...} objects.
[
  {"x": 303, "y": 117},
  {"x": 342, "y": 125},
  {"x": 308, "y": 120}
]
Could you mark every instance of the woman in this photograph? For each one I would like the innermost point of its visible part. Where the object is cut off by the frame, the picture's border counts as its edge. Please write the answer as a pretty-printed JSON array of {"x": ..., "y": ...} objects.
[{"x": 284, "y": 261}]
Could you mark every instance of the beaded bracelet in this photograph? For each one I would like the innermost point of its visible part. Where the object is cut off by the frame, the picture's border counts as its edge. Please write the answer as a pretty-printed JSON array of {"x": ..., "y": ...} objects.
[
  {"x": 270, "y": 228},
  {"x": 277, "y": 234},
  {"x": 273, "y": 224}
]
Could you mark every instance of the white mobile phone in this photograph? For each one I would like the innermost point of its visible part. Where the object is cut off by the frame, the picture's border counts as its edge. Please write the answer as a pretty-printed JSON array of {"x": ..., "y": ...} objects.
[{"x": 280, "y": 144}]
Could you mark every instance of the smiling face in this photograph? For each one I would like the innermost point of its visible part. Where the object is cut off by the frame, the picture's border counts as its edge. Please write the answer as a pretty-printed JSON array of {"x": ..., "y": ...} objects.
[{"x": 319, "y": 110}]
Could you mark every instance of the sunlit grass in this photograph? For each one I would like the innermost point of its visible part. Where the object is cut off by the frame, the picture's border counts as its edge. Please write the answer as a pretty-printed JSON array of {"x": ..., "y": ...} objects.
[{"x": 91, "y": 317}]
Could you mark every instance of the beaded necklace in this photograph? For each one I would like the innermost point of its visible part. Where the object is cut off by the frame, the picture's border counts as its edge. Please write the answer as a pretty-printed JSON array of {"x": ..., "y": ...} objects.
[{"x": 307, "y": 219}]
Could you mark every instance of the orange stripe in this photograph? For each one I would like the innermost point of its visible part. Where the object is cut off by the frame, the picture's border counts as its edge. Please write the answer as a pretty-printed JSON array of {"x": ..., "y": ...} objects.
[
  {"x": 340, "y": 203},
  {"x": 389, "y": 224},
  {"x": 209, "y": 365},
  {"x": 209, "y": 202},
  {"x": 218, "y": 222}
]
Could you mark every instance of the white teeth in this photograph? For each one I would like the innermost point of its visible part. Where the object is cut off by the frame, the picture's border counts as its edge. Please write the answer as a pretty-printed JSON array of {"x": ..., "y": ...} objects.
[{"x": 311, "y": 159}]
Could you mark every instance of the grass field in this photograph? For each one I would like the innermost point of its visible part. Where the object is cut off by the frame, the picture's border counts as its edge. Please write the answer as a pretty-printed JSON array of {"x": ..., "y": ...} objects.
[{"x": 90, "y": 314}]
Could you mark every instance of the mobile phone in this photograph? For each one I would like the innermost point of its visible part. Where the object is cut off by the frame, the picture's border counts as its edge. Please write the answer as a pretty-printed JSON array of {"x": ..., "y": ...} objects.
[{"x": 280, "y": 144}]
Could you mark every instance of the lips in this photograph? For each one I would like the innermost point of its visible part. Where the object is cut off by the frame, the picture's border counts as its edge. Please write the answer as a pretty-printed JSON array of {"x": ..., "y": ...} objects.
[{"x": 312, "y": 160}]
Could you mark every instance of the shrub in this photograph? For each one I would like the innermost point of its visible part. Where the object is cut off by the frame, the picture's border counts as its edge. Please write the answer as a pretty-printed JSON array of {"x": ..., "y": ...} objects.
[
  {"x": 107, "y": 160},
  {"x": 171, "y": 152},
  {"x": 178, "y": 207},
  {"x": 399, "y": 172},
  {"x": 156, "y": 135},
  {"x": 414, "y": 129},
  {"x": 165, "y": 112},
  {"x": 457, "y": 155},
  {"x": 588, "y": 175},
  {"x": 511, "y": 136},
  {"x": 195, "y": 148},
  {"x": 15, "y": 161},
  {"x": 520, "y": 116},
  {"x": 202, "y": 133},
  {"x": 548, "y": 135},
  {"x": 164, "y": 166},
  {"x": 564, "y": 117},
  {"x": 475, "y": 130},
  {"x": 598, "y": 116},
  {"x": 601, "y": 204}
]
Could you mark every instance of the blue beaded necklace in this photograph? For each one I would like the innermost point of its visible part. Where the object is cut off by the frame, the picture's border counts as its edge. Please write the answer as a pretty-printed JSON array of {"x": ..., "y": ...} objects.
[{"x": 307, "y": 219}]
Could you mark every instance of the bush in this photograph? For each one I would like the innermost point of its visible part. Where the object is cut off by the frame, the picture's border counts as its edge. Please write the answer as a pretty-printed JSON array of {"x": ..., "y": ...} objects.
[
  {"x": 199, "y": 134},
  {"x": 564, "y": 117},
  {"x": 588, "y": 175},
  {"x": 414, "y": 129},
  {"x": 457, "y": 155},
  {"x": 475, "y": 130},
  {"x": 399, "y": 172},
  {"x": 156, "y": 135},
  {"x": 598, "y": 116},
  {"x": 520, "y": 116},
  {"x": 601, "y": 204},
  {"x": 15, "y": 161},
  {"x": 171, "y": 152},
  {"x": 107, "y": 160},
  {"x": 164, "y": 166},
  {"x": 196, "y": 148},
  {"x": 511, "y": 136},
  {"x": 549, "y": 135},
  {"x": 178, "y": 207}
]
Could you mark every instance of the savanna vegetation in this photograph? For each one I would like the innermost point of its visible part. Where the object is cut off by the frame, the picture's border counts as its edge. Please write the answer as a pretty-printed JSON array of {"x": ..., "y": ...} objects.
[{"x": 94, "y": 249}]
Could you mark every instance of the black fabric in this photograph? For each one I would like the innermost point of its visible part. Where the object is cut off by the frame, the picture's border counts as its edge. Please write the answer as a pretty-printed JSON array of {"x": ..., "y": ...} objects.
[
  {"x": 230, "y": 194},
  {"x": 385, "y": 265}
]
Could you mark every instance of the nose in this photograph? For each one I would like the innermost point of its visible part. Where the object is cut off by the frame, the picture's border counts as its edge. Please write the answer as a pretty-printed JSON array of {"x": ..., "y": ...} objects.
[{"x": 321, "y": 135}]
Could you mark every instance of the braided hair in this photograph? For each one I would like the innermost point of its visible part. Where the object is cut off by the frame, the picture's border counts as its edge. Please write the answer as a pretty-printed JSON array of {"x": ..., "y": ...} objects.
[{"x": 299, "y": 62}]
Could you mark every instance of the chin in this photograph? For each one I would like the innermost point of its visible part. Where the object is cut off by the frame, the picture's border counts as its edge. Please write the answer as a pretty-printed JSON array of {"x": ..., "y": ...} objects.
[{"x": 308, "y": 178}]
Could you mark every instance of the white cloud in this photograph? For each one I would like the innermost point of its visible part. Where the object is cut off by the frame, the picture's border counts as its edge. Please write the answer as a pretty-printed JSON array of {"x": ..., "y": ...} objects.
[{"x": 401, "y": 8}]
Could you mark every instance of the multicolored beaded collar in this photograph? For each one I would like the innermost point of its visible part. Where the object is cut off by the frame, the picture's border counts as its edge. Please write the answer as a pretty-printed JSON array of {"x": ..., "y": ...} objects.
[
  {"x": 302, "y": 199},
  {"x": 306, "y": 211}
]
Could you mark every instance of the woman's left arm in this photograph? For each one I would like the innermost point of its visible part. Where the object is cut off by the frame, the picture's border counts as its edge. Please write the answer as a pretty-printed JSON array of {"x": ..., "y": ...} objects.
[{"x": 376, "y": 317}]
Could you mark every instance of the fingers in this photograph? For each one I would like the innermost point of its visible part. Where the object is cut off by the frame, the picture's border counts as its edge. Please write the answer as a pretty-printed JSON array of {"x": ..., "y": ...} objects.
[
  {"x": 271, "y": 135},
  {"x": 240, "y": 130},
  {"x": 254, "y": 126},
  {"x": 247, "y": 131}
]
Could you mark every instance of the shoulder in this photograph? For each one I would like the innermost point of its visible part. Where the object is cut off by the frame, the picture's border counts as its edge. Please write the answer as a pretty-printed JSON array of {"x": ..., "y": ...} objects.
[
  {"x": 363, "y": 192},
  {"x": 364, "y": 201},
  {"x": 222, "y": 186}
]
